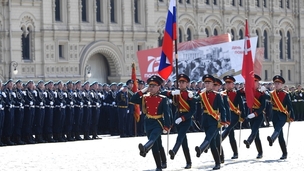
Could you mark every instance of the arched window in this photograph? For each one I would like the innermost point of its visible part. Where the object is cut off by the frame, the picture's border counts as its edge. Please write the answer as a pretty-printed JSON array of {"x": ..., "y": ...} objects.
[
  {"x": 84, "y": 10},
  {"x": 287, "y": 4},
  {"x": 207, "y": 32},
  {"x": 233, "y": 3},
  {"x": 180, "y": 34},
  {"x": 232, "y": 35},
  {"x": 240, "y": 3},
  {"x": 258, "y": 35},
  {"x": 113, "y": 11},
  {"x": 207, "y": 2},
  {"x": 258, "y": 3},
  {"x": 281, "y": 3},
  {"x": 265, "y": 35},
  {"x": 288, "y": 45},
  {"x": 241, "y": 34},
  {"x": 214, "y": 2},
  {"x": 264, "y": 3},
  {"x": 281, "y": 45},
  {"x": 189, "y": 35},
  {"x": 215, "y": 32},
  {"x": 26, "y": 43}
]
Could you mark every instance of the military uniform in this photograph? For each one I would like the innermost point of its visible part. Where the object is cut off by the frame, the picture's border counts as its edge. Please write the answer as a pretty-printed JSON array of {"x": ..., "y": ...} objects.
[
  {"x": 2, "y": 105},
  {"x": 130, "y": 112},
  {"x": 39, "y": 113},
  {"x": 237, "y": 114},
  {"x": 49, "y": 113},
  {"x": 299, "y": 98},
  {"x": 213, "y": 115},
  {"x": 87, "y": 111},
  {"x": 157, "y": 117},
  {"x": 256, "y": 118},
  {"x": 122, "y": 102},
  {"x": 282, "y": 113},
  {"x": 78, "y": 116},
  {"x": 95, "y": 110},
  {"x": 19, "y": 113},
  {"x": 69, "y": 112}
]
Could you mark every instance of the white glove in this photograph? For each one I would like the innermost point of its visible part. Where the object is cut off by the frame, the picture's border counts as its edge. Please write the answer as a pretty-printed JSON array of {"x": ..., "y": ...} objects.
[
  {"x": 92, "y": 94},
  {"x": 35, "y": 92},
  {"x": 31, "y": 103},
  {"x": 3, "y": 94},
  {"x": 104, "y": 104},
  {"x": 190, "y": 94},
  {"x": 71, "y": 103},
  {"x": 300, "y": 94},
  {"x": 251, "y": 115},
  {"x": 128, "y": 111},
  {"x": 41, "y": 103},
  {"x": 81, "y": 103},
  {"x": 14, "y": 94},
  {"x": 165, "y": 132},
  {"x": 51, "y": 103},
  {"x": 83, "y": 93},
  {"x": 21, "y": 104},
  {"x": 97, "y": 104},
  {"x": 61, "y": 104},
  {"x": 11, "y": 106},
  {"x": 175, "y": 92},
  {"x": 45, "y": 94},
  {"x": 100, "y": 95},
  {"x": 55, "y": 94},
  {"x": 89, "y": 103},
  {"x": 178, "y": 120},
  {"x": 75, "y": 94},
  {"x": 0, "y": 106},
  {"x": 144, "y": 90},
  {"x": 170, "y": 101},
  {"x": 24, "y": 93},
  {"x": 113, "y": 103},
  {"x": 263, "y": 89},
  {"x": 65, "y": 94}
]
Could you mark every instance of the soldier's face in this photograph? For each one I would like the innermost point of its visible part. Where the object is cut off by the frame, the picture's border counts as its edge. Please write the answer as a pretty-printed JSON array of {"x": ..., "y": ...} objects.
[
  {"x": 256, "y": 84},
  {"x": 278, "y": 85},
  {"x": 183, "y": 84},
  {"x": 153, "y": 88},
  {"x": 216, "y": 87},
  {"x": 209, "y": 85},
  {"x": 229, "y": 85}
]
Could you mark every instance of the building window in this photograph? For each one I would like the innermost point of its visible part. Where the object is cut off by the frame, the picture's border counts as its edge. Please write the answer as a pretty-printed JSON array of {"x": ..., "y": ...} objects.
[
  {"x": 288, "y": 45},
  {"x": 232, "y": 35},
  {"x": 61, "y": 51},
  {"x": 57, "y": 10},
  {"x": 26, "y": 43},
  {"x": 180, "y": 1},
  {"x": 289, "y": 75},
  {"x": 215, "y": 33},
  {"x": 281, "y": 3},
  {"x": 189, "y": 35},
  {"x": 207, "y": 32},
  {"x": 265, "y": 35},
  {"x": 258, "y": 3},
  {"x": 233, "y": 3},
  {"x": 207, "y": 2},
  {"x": 264, "y": 3},
  {"x": 241, "y": 34},
  {"x": 240, "y": 3},
  {"x": 281, "y": 45},
  {"x": 188, "y": 1},
  {"x": 281, "y": 73},
  {"x": 180, "y": 34},
  {"x": 266, "y": 74},
  {"x": 214, "y": 2},
  {"x": 136, "y": 11},
  {"x": 161, "y": 0},
  {"x": 258, "y": 41},
  {"x": 113, "y": 14},
  {"x": 84, "y": 10},
  {"x": 287, "y": 4},
  {"x": 98, "y": 11},
  {"x": 139, "y": 47}
]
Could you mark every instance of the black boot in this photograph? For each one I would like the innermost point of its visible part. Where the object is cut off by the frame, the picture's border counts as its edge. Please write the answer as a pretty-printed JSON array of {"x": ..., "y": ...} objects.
[
  {"x": 1, "y": 143},
  {"x": 272, "y": 138},
  {"x": 77, "y": 136},
  {"x": 163, "y": 158},
  {"x": 39, "y": 139},
  {"x": 201, "y": 148},
  {"x": 234, "y": 149},
  {"x": 216, "y": 158},
  {"x": 157, "y": 161},
  {"x": 50, "y": 138},
  {"x": 145, "y": 148},
  {"x": 29, "y": 140},
  {"x": 70, "y": 137},
  {"x": 19, "y": 141},
  {"x": 8, "y": 141},
  {"x": 284, "y": 150},
  {"x": 259, "y": 148},
  {"x": 188, "y": 158},
  {"x": 222, "y": 157},
  {"x": 174, "y": 150},
  {"x": 87, "y": 136},
  {"x": 249, "y": 141}
]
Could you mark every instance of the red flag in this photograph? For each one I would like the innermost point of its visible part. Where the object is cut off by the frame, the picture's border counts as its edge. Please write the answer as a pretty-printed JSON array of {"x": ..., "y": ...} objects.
[
  {"x": 134, "y": 89},
  {"x": 247, "y": 69}
]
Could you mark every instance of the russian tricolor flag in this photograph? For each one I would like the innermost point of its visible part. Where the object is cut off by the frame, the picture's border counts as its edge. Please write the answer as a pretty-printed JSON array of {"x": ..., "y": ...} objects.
[{"x": 166, "y": 59}]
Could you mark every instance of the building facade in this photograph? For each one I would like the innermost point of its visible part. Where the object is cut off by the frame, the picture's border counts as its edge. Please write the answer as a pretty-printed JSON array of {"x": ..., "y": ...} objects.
[{"x": 67, "y": 39}]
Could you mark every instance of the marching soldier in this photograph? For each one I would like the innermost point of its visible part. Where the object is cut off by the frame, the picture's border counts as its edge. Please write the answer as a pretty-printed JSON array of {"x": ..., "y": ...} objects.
[
  {"x": 59, "y": 114},
  {"x": 69, "y": 111},
  {"x": 19, "y": 112},
  {"x": 87, "y": 111},
  {"x": 2, "y": 105},
  {"x": 39, "y": 112},
  {"x": 186, "y": 107},
  {"x": 256, "y": 117},
  {"x": 9, "y": 113},
  {"x": 237, "y": 112},
  {"x": 155, "y": 106},
  {"x": 95, "y": 109},
  {"x": 282, "y": 113},
  {"x": 49, "y": 112},
  {"x": 29, "y": 113},
  {"x": 213, "y": 116},
  {"x": 78, "y": 111},
  {"x": 130, "y": 112},
  {"x": 122, "y": 102}
]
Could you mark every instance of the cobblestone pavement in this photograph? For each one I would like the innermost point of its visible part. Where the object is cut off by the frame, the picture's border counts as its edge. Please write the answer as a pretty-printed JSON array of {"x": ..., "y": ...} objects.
[{"x": 114, "y": 153}]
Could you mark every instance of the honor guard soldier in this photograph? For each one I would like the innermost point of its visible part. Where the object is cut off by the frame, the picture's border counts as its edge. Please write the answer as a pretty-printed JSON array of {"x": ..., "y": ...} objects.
[
  {"x": 213, "y": 116},
  {"x": 69, "y": 111},
  {"x": 237, "y": 112},
  {"x": 87, "y": 112},
  {"x": 282, "y": 113},
  {"x": 130, "y": 112},
  {"x": 256, "y": 117},
  {"x": 140, "y": 123},
  {"x": 299, "y": 98},
  {"x": 95, "y": 109},
  {"x": 122, "y": 102},
  {"x": 2, "y": 105},
  {"x": 9, "y": 113},
  {"x": 59, "y": 114},
  {"x": 49, "y": 112},
  {"x": 29, "y": 113},
  {"x": 186, "y": 107},
  {"x": 111, "y": 108},
  {"x": 156, "y": 108},
  {"x": 78, "y": 116},
  {"x": 19, "y": 112},
  {"x": 39, "y": 112},
  {"x": 105, "y": 126},
  {"x": 216, "y": 87}
]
